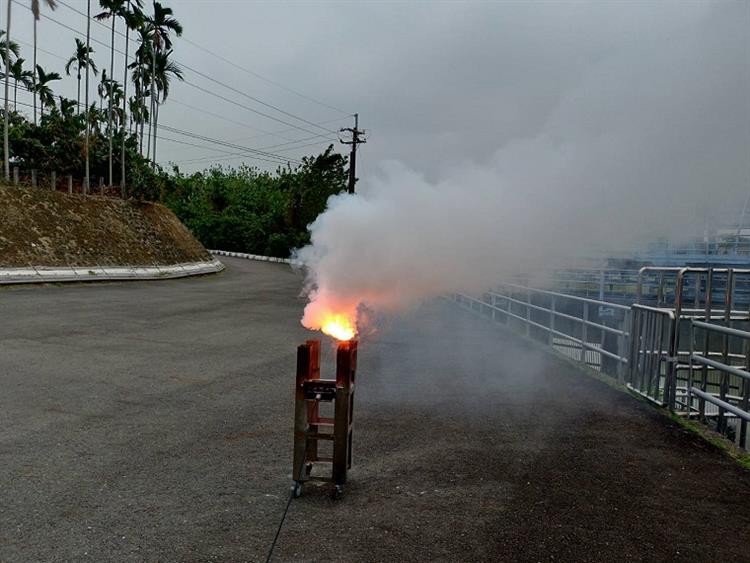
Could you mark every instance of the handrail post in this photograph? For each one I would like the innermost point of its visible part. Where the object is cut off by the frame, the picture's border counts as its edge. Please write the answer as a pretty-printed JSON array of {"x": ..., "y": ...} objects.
[
  {"x": 584, "y": 331},
  {"x": 689, "y": 390},
  {"x": 552, "y": 315},
  {"x": 528, "y": 312},
  {"x": 621, "y": 348},
  {"x": 671, "y": 375}
]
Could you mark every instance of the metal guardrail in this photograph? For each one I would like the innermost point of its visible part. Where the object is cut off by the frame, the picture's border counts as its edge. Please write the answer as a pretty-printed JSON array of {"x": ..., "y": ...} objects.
[
  {"x": 728, "y": 405},
  {"x": 548, "y": 314},
  {"x": 640, "y": 345},
  {"x": 653, "y": 354}
]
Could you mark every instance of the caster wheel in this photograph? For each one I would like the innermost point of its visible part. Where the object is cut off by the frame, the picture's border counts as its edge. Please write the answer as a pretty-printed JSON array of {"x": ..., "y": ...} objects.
[
  {"x": 338, "y": 492},
  {"x": 297, "y": 489}
]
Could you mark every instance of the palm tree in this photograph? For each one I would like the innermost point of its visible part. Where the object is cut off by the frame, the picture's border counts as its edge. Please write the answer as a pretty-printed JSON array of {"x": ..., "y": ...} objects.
[
  {"x": 87, "y": 177},
  {"x": 12, "y": 45},
  {"x": 35, "y": 9},
  {"x": 42, "y": 89},
  {"x": 102, "y": 89},
  {"x": 82, "y": 59},
  {"x": 143, "y": 74},
  {"x": 139, "y": 114},
  {"x": 112, "y": 9},
  {"x": 21, "y": 75},
  {"x": 134, "y": 19},
  {"x": 165, "y": 69},
  {"x": 111, "y": 91},
  {"x": 68, "y": 107},
  {"x": 160, "y": 25},
  {"x": 142, "y": 80},
  {"x": 134, "y": 107},
  {"x": 16, "y": 68}
]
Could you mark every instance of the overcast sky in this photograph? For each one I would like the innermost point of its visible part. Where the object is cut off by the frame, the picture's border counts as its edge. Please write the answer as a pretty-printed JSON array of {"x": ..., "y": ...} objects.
[{"x": 437, "y": 83}]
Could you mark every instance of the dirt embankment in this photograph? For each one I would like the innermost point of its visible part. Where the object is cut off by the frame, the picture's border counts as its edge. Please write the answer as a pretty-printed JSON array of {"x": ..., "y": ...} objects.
[{"x": 45, "y": 228}]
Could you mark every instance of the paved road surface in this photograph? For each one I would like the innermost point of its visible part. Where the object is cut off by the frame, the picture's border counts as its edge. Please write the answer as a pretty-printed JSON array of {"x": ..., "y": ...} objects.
[{"x": 152, "y": 422}]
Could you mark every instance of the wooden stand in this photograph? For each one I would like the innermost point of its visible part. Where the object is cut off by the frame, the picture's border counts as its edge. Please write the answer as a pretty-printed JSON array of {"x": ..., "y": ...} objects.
[{"x": 310, "y": 427}]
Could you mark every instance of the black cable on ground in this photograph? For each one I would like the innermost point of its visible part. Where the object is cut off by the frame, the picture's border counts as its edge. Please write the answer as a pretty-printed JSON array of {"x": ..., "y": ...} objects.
[
  {"x": 286, "y": 508},
  {"x": 281, "y": 525}
]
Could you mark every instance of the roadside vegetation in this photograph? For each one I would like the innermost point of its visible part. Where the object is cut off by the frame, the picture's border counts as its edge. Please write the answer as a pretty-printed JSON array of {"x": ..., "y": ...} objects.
[
  {"x": 248, "y": 210},
  {"x": 112, "y": 135}
]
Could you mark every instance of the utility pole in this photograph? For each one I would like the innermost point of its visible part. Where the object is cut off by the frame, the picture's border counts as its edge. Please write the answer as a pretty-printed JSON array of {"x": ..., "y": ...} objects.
[
  {"x": 86, "y": 182},
  {"x": 356, "y": 140}
]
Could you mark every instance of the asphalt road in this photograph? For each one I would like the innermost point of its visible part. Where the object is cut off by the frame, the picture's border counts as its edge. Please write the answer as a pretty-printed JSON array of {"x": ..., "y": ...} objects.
[{"x": 151, "y": 421}]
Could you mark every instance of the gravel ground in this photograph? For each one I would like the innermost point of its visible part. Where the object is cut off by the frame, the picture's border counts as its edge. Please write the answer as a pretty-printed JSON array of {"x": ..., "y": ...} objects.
[{"x": 152, "y": 422}]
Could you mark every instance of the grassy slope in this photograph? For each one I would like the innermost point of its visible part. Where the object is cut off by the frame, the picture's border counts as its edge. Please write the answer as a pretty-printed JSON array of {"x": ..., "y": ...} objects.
[{"x": 44, "y": 228}]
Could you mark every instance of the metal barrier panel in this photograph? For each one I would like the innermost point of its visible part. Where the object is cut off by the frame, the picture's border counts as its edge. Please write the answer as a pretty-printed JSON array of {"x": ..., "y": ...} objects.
[
  {"x": 652, "y": 354},
  {"x": 719, "y": 391}
]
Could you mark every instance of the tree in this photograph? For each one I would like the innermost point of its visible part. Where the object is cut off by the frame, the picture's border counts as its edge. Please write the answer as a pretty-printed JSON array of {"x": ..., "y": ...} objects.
[
  {"x": 12, "y": 45},
  {"x": 160, "y": 24},
  {"x": 35, "y": 9},
  {"x": 42, "y": 88},
  {"x": 139, "y": 115},
  {"x": 142, "y": 79},
  {"x": 111, "y": 91},
  {"x": 22, "y": 75},
  {"x": 165, "y": 69},
  {"x": 81, "y": 59},
  {"x": 134, "y": 19},
  {"x": 112, "y": 9}
]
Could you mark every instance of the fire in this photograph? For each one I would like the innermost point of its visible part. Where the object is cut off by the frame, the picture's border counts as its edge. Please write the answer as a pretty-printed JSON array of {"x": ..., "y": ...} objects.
[
  {"x": 338, "y": 326},
  {"x": 335, "y": 317}
]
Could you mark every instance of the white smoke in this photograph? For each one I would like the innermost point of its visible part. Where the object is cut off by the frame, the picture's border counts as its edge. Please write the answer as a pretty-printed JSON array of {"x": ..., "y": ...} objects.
[{"x": 632, "y": 152}]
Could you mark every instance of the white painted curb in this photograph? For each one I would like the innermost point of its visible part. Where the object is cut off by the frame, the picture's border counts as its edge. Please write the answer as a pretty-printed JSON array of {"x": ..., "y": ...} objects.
[
  {"x": 37, "y": 274},
  {"x": 257, "y": 257}
]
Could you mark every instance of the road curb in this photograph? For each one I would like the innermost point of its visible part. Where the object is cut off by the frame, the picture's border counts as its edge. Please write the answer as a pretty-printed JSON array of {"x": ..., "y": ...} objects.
[
  {"x": 258, "y": 257},
  {"x": 40, "y": 274}
]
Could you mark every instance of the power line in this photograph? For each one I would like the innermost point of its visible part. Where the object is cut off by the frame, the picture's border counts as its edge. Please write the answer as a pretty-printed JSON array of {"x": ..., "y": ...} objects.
[
  {"x": 221, "y": 143},
  {"x": 66, "y": 26},
  {"x": 248, "y": 108},
  {"x": 222, "y": 58},
  {"x": 211, "y": 79},
  {"x": 247, "y": 152},
  {"x": 256, "y": 100},
  {"x": 280, "y": 160},
  {"x": 260, "y": 76},
  {"x": 276, "y": 133},
  {"x": 216, "y": 141},
  {"x": 50, "y": 53},
  {"x": 227, "y": 119},
  {"x": 325, "y": 137},
  {"x": 240, "y": 155},
  {"x": 204, "y": 90}
]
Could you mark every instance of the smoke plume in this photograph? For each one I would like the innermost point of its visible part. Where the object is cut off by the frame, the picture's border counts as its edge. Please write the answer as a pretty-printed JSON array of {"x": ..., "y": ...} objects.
[{"x": 632, "y": 152}]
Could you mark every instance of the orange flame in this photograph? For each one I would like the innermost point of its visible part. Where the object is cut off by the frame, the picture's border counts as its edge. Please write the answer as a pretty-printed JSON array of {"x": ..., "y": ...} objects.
[{"x": 338, "y": 326}]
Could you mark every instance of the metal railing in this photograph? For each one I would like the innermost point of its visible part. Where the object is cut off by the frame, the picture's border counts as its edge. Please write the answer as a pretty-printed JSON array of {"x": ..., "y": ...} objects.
[
  {"x": 568, "y": 323},
  {"x": 644, "y": 346},
  {"x": 653, "y": 354},
  {"x": 730, "y": 383}
]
